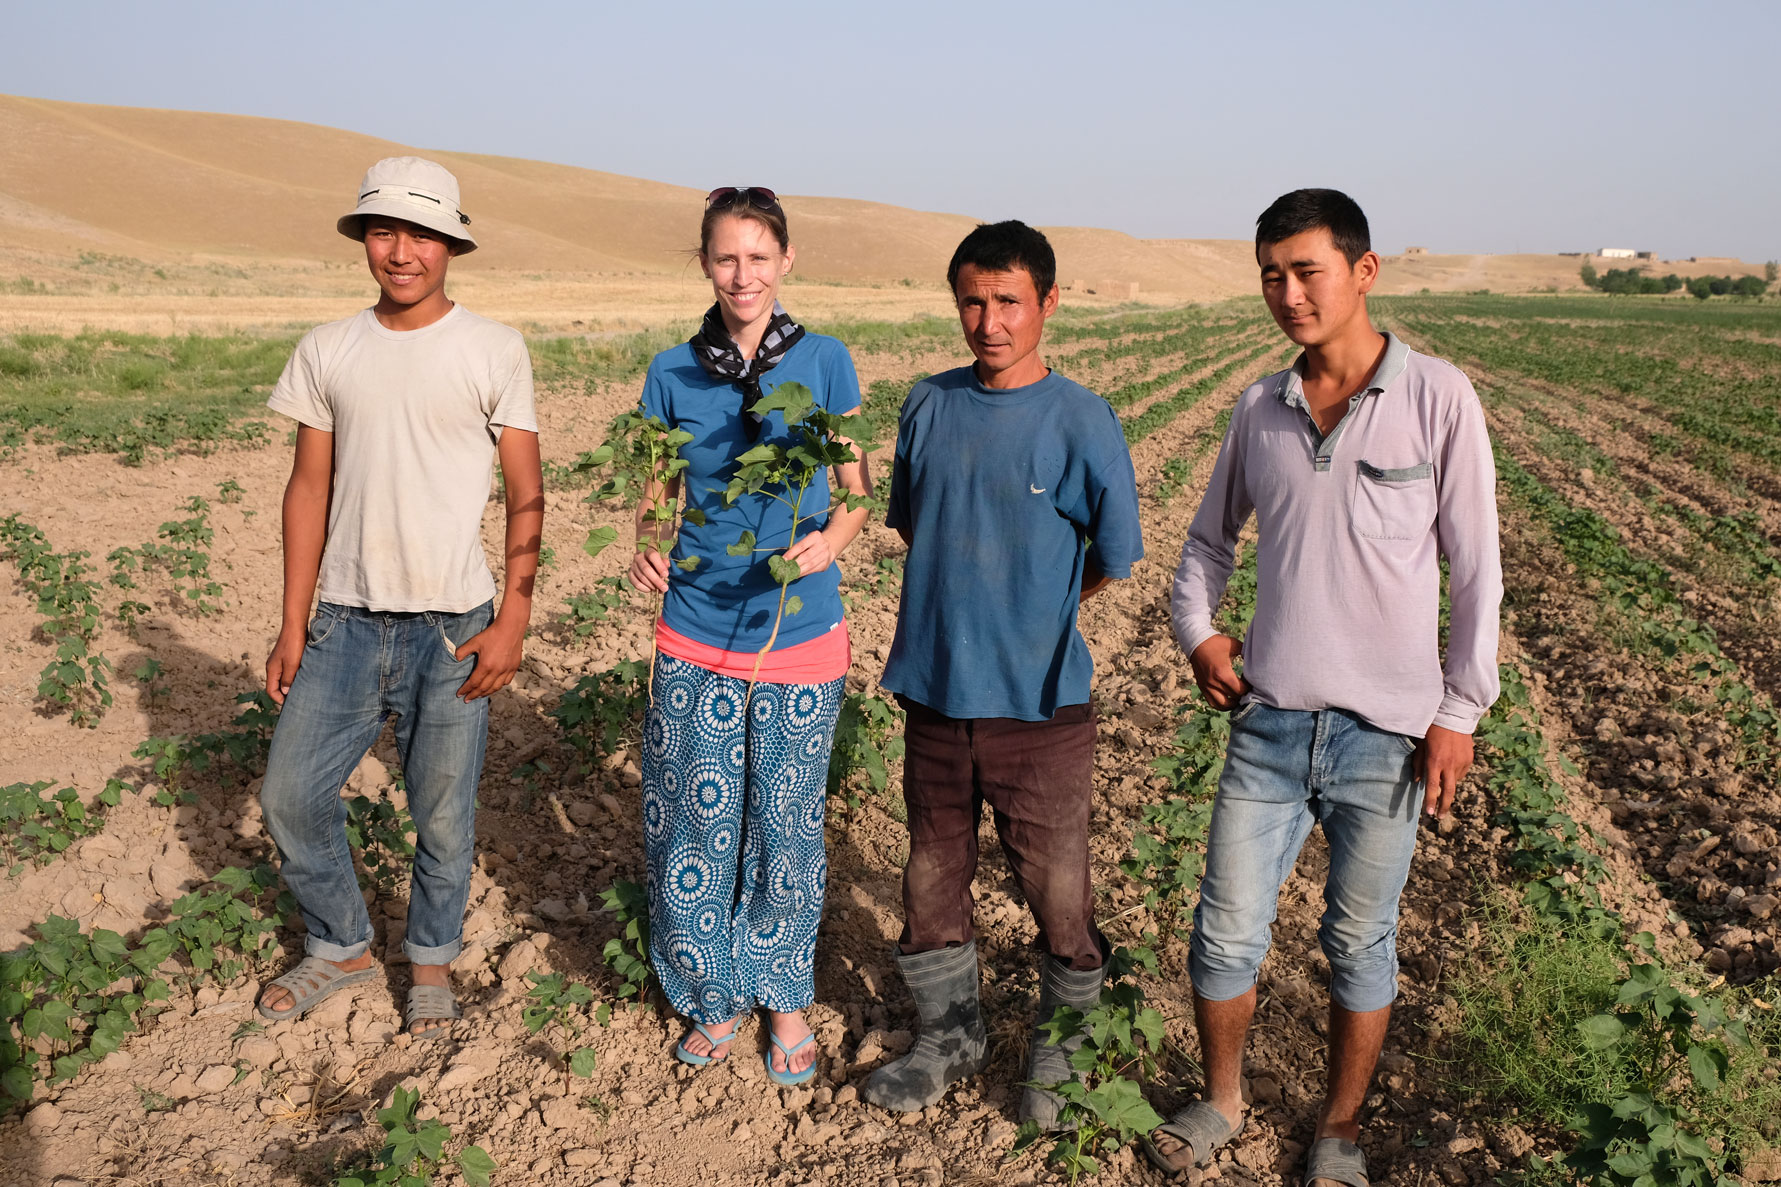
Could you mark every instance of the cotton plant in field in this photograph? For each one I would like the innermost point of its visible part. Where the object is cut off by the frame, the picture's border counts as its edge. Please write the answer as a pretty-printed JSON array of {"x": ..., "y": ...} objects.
[
  {"x": 785, "y": 472},
  {"x": 642, "y": 456},
  {"x": 1104, "y": 1108}
]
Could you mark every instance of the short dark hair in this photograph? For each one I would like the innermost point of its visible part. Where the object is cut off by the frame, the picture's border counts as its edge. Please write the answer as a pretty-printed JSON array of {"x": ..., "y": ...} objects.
[
  {"x": 1307, "y": 210},
  {"x": 1003, "y": 247}
]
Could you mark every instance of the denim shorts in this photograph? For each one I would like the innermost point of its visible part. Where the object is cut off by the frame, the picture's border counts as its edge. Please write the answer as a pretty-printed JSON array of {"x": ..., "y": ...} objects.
[{"x": 1285, "y": 770}]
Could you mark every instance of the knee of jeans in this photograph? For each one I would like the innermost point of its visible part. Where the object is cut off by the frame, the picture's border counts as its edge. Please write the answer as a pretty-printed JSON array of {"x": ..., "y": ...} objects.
[
  {"x": 1363, "y": 962},
  {"x": 446, "y": 837},
  {"x": 287, "y": 808},
  {"x": 1220, "y": 956}
]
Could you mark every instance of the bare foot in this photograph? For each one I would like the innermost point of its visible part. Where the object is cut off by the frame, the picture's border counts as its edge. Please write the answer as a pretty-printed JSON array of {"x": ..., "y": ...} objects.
[
  {"x": 430, "y": 974},
  {"x": 697, "y": 1044},
  {"x": 791, "y": 1030},
  {"x": 1179, "y": 1154},
  {"x": 278, "y": 999}
]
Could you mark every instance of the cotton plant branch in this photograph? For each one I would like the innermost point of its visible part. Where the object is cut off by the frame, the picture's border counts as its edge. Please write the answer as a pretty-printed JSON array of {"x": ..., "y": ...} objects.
[
  {"x": 784, "y": 472},
  {"x": 641, "y": 455}
]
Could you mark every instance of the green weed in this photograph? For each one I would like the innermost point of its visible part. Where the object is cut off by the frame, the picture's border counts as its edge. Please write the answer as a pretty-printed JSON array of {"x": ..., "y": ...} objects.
[
  {"x": 587, "y": 612},
  {"x": 137, "y": 394},
  {"x": 556, "y": 1001},
  {"x": 1104, "y": 1106},
  {"x": 35, "y": 826},
  {"x": 867, "y": 738},
  {"x": 78, "y": 678},
  {"x": 627, "y": 954},
  {"x": 413, "y": 1151}
]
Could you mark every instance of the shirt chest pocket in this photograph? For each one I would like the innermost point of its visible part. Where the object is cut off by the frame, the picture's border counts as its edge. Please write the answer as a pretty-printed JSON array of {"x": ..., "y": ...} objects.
[{"x": 1396, "y": 503}]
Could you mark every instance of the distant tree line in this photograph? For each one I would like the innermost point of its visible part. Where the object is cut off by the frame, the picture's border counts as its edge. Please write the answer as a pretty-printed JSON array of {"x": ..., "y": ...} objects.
[{"x": 1632, "y": 280}]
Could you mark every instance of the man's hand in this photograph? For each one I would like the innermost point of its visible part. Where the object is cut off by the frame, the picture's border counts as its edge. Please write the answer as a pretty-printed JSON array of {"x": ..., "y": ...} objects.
[
  {"x": 1441, "y": 760},
  {"x": 1218, "y": 680},
  {"x": 498, "y": 651},
  {"x": 281, "y": 665}
]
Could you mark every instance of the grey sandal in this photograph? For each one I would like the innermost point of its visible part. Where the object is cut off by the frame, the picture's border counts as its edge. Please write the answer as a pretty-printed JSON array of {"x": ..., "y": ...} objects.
[
  {"x": 1337, "y": 1160},
  {"x": 433, "y": 1003},
  {"x": 1199, "y": 1126},
  {"x": 312, "y": 982}
]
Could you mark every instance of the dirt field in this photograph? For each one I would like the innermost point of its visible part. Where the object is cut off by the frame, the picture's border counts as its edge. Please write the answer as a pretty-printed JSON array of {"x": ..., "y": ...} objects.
[{"x": 204, "y": 1096}]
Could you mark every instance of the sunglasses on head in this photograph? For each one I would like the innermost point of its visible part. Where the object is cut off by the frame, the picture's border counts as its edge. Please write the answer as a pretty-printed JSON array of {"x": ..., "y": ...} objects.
[{"x": 759, "y": 197}]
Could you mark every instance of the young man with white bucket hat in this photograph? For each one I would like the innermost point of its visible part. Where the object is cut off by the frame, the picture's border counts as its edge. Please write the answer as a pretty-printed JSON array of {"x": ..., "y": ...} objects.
[{"x": 401, "y": 410}]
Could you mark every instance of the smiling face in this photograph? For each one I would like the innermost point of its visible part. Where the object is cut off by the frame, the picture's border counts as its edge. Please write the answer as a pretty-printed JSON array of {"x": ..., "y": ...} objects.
[
  {"x": 745, "y": 263},
  {"x": 1003, "y": 316},
  {"x": 1311, "y": 289},
  {"x": 408, "y": 262}
]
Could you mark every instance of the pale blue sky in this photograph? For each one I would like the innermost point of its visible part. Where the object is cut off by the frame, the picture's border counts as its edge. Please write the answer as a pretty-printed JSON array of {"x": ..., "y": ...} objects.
[{"x": 1513, "y": 126}]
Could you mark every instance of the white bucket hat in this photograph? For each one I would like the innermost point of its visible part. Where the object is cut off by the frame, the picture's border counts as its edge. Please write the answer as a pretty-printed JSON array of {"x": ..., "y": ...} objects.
[{"x": 414, "y": 189}]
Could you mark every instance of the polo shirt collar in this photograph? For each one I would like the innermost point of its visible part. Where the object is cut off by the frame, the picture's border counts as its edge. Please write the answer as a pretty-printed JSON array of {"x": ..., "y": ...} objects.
[{"x": 1291, "y": 388}]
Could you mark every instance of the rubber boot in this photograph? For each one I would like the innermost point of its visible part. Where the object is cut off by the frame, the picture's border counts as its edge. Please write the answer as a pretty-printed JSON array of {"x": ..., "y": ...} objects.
[
  {"x": 951, "y": 1042},
  {"x": 1048, "y": 1063}
]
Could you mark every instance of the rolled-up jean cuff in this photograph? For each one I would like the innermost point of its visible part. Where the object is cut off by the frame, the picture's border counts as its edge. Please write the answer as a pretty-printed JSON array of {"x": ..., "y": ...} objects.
[
  {"x": 1366, "y": 999},
  {"x": 1214, "y": 986},
  {"x": 1364, "y": 994},
  {"x": 334, "y": 952},
  {"x": 442, "y": 954}
]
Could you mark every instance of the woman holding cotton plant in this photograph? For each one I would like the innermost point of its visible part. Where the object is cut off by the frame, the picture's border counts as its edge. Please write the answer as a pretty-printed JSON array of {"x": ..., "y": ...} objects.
[{"x": 745, "y": 694}]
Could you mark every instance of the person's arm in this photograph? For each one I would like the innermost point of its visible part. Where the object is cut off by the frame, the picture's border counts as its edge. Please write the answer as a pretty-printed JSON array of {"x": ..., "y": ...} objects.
[
  {"x": 1207, "y": 558},
  {"x": 816, "y": 551},
  {"x": 499, "y": 649},
  {"x": 305, "y": 531},
  {"x": 1466, "y": 530},
  {"x": 1093, "y": 582},
  {"x": 1109, "y": 515}
]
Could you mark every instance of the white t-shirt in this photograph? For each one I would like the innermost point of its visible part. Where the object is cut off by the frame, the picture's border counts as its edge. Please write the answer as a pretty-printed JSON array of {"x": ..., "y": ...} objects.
[{"x": 415, "y": 415}]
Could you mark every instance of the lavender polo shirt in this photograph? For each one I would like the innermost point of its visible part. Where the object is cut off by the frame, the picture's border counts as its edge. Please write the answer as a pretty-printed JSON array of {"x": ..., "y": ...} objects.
[{"x": 1351, "y": 529}]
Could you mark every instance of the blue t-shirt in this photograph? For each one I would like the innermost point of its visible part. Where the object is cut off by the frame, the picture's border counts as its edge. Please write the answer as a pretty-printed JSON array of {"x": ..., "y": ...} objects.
[
  {"x": 729, "y": 601},
  {"x": 1001, "y": 492}
]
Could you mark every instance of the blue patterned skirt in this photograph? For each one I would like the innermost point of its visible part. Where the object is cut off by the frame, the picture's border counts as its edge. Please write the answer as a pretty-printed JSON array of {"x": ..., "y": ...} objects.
[{"x": 733, "y": 838}]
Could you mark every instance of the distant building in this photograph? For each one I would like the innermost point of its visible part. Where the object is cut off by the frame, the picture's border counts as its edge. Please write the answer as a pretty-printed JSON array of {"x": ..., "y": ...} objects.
[
  {"x": 1617, "y": 253},
  {"x": 1648, "y": 255},
  {"x": 1416, "y": 251}
]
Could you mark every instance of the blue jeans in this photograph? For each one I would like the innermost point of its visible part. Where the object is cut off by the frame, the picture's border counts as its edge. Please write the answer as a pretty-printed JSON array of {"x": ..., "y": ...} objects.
[
  {"x": 1285, "y": 770},
  {"x": 359, "y": 668}
]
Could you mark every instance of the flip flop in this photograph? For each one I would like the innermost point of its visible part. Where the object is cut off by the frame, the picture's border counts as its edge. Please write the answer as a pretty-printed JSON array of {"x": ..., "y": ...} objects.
[
  {"x": 687, "y": 1057},
  {"x": 310, "y": 983},
  {"x": 789, "y": 1079},
  {"x": 433, "y": 1003},
  {"x": 1200, "y": 1127},
  {"x": 1338, "y": 1160}
]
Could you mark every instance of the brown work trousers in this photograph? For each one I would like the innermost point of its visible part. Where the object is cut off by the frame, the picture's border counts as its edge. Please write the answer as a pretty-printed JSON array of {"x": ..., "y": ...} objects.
[{"x": 1038, "y": 777}]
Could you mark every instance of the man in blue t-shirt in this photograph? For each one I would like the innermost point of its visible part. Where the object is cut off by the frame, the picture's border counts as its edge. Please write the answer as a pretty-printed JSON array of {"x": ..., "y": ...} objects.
[{"x": 1014, "y": 490}]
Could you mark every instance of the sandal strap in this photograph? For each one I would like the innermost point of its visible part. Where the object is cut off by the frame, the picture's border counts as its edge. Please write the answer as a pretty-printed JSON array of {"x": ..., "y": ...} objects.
[
  {"x": 794, "y": 1048},
  {"x": 1203, "y": 1129},
  {"x": 431, "y": 1002},
  {"x": 1337, "y": 1160},
  {"x": 713, "y": 1039},
  {"x": 311, "y": 980}
]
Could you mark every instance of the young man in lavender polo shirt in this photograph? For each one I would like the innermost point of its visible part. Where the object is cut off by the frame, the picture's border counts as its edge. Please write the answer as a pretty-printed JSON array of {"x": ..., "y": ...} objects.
[{"x": 1365, "y": 464}]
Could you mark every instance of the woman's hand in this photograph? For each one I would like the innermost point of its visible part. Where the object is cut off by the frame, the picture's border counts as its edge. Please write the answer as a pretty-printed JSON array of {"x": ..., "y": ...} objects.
[
  {"x": 649, "y": 571},
  {"x": 814, "y": 553}
]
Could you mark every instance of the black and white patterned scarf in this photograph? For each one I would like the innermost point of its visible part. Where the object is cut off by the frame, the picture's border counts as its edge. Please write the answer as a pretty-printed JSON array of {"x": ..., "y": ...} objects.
[{"x": 718, "y": 354}]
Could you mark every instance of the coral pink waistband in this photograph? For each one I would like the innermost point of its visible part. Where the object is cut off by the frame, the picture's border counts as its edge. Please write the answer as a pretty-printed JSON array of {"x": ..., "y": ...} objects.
[{"x": 817, "y": 661}]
